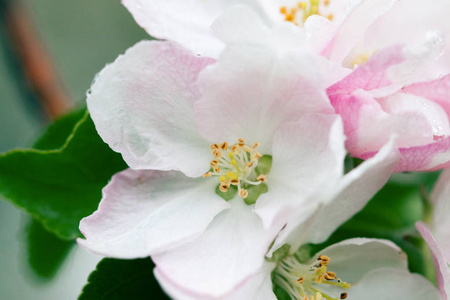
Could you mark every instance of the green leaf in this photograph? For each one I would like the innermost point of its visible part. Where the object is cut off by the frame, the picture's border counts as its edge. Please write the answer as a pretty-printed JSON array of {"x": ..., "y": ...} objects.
[
  {"x": 46, "y": 252},
  {"x": 60, "y": 187},
  {"x": 57, "y": 133},
  {"x": 117, "y": 279}
]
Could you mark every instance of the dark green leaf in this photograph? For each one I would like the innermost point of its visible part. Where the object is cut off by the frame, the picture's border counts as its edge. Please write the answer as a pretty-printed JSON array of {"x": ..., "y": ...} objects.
[
  {"x": 117, "y": 279},
  {"x": 46, "y": 252},
  {"x": 60, "y": 187},
  {"x": 57, "y": 133}
]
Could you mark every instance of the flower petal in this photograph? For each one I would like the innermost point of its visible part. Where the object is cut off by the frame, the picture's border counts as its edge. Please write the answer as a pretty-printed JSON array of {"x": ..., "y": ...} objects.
[
  {"x": 350, "y": 196},
  {"x": 142, "y": 107},
  {"x": 256, "y": 287},
  {"x": 393, "y": 284},
  {"x": 360, "y": 16},
  {"x": 230, "y": 251},
  {"x": 186, "y": 22},
  {"x": 440, "y": 259},
  {"x": 441, "y": 212},
  {"x": 143, "y": 212},
  {"x": 307, "y": 155},
  {"x": 252, "y": 90},
  {"x": 353, "y": 258},
  {"x": 437, "y": 90}
]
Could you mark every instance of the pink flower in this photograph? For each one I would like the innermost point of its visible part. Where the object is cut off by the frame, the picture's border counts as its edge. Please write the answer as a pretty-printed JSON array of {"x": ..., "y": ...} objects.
[{"x": 383, "y": 97}]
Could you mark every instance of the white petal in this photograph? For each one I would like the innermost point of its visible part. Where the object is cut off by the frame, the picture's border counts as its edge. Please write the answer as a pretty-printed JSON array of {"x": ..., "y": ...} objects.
[
  {"x": 142, "y": 107},
  {"x": 360, "y": 17},
  {"x": 440, "y": 259},
  {"x": 186, "y": 22},
  {"x": 393, "y": 284},
  {"x": 143, "y": 212},
  {"x": 251, "y": 91},
  {"x": 351, "y": 195},
  {"x": 231, "y": 250},
  {"x": 257, "y": 287},
  {"x": 352, "y": 259},
  {"x": 307, "y": 155},
  {"x": 441, "y": 211}
]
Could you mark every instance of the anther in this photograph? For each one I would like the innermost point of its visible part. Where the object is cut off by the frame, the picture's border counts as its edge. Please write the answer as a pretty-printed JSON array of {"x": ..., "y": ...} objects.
[
  {"x": 243, "y": 193},
  {"x": 241, "y": 142},
  {"x": 262, "y": 178},
  {"x": 234, "y": 181},
  {"x": 255, "y": 145},
  {"x": 301, "y": 280},
  {"x": 214, "y": 146},
  {"x": 217, "y": 153},
  {"x": 208, "y": 174},
  {"x": 324, "y": 260},
  {"x": 250, "y": 164},
  {"x": 214, "y": 163},
  {"x": 344, "y": 296},
  {"x": 330, "y": 275},
  {"x": 224, "y": 146},
  {"x": 224, "y": 187},
  {"x": 283, "y": 10}
]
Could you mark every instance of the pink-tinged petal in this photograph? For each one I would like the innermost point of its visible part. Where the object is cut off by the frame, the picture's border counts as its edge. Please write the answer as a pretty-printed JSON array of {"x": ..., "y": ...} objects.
[
  {"x": 307, "y": 155},
  {"x": 143, "y": 212},
  {"x": 229, "y": 252},
  {"x": 186, "y": 22},
  {"x": 440, "y": 259},
  {"x": 257, "y": 287},
  {"x": 142, "y": 106},
  {"x": 353, "y": 258},
  {"x": 407, "y": 22},
  {"x": 351, "y": 194},
  {"x": 437, "y": 90},
  {"x": 430, "y": 157},
  {"x": 354, "y": 25},
  {"x": 393, "y": 284},
  {"x": 411, "y": 110},
  {"x": 441, "y": 211},
  {"x": 251, "y": 91},
  {"x": 371, "y": 75}
]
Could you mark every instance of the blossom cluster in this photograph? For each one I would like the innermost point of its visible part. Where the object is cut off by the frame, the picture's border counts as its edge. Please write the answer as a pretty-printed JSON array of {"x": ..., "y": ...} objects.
[{"x": 235, "y": 126}]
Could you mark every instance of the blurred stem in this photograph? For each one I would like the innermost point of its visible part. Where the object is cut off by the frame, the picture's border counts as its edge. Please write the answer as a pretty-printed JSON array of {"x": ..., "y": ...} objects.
[{"x": 30, "y": 62}]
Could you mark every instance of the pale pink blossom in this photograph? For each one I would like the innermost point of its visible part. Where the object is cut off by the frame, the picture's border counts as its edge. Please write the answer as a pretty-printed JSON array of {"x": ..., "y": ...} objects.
[
  {"x": 168, "y": 111},
  {"x": 382, "y": 97}
]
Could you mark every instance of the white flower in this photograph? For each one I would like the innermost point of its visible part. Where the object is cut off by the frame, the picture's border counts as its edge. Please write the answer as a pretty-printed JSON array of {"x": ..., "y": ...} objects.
[{"x": 174, "y": 115}]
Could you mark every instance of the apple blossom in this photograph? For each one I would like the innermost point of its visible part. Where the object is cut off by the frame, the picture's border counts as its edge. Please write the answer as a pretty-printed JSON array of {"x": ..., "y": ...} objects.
[
  {"x": 252, "y": 127},
  {"x": 353, "y": 269},
  {"x": 172, "y": 128},
  {"x": 378, "y": 99},
  {"x": 328, "y": 23}
]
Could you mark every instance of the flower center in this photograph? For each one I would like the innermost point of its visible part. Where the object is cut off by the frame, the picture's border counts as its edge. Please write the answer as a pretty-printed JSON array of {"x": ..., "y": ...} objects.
[
  {"x": 303, "y": 10},
  {"x": 236, "y": 166},
  {"x": 310, "y": 282}
]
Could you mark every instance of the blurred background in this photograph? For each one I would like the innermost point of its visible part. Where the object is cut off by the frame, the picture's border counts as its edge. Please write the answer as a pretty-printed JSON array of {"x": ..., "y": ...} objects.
[{"x": 50, "y": 50}]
